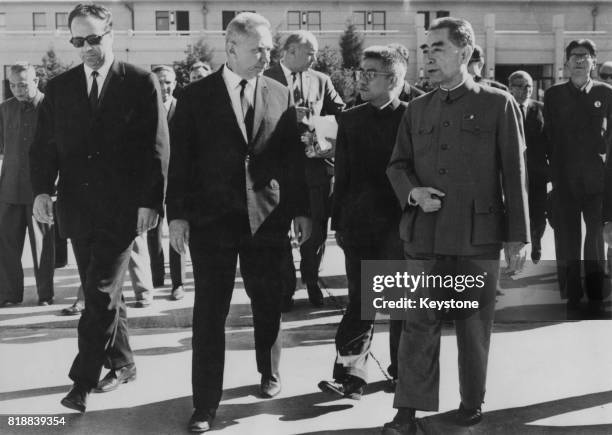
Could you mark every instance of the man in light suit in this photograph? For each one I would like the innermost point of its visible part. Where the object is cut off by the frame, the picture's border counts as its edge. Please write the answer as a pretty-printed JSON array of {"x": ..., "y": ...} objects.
[
  {"x": 532, "y": 111},
  {"x": 236, "y": 181},
  {"x": 312, "y": 90},
  {"x": 103, "y": 130},
  {"x": 167, "y": 83},
  {"x": 457, "y": 170}
]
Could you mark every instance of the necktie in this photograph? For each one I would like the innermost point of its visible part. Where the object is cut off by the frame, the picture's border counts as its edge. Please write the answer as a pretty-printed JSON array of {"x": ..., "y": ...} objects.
[
  {"x": 522, "y": 107},
  {"x": 247, "y": 110},
  {"x": 297, "y": 92},
  {"x": 93, "y": 94}
]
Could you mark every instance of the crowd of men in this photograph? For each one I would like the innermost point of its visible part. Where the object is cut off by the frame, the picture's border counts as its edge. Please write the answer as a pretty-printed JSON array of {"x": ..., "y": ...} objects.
[{"x": 438, "y": 178}]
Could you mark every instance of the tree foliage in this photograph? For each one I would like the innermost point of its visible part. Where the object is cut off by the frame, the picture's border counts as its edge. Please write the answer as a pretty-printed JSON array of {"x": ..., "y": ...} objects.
[
  {"x": 198, "y": 52},
  {"x": 51, "y": 66},
  {"x": 351, "y": 46}
]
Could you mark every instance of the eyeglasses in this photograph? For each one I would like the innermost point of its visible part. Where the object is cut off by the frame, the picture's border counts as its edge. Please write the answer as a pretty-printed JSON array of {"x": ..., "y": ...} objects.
[
  {"x": 605, "y": 76},
  {"x": 580, "y": 56},
  {"x": 78, "y": 41},
  {"x": 368, "y": 75}
]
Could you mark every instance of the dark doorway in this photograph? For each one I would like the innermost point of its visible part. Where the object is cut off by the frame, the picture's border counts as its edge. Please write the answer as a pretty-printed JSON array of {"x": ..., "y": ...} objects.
[{"x": 540, "y": 73}]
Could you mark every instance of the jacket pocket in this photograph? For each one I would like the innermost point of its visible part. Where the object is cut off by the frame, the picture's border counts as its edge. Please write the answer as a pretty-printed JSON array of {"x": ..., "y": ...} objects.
[
  {"x": 488, "y": 220},
  {"x": 423, "y": 140}
]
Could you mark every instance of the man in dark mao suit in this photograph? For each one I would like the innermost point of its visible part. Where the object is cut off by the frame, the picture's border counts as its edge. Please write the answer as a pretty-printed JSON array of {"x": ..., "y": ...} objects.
[
  {"x": 311, "y": 89},
  {"x": 577, "y": 117},
  {"x": 457, "y": 170},
  {"x": 102, "y": 129},
  {"x": 236, "y": 181},
  {"x": 532, "y": 111}
]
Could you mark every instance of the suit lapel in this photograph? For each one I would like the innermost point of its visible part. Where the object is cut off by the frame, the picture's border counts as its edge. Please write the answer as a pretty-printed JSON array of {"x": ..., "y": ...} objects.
[
  {"x": 306, "y": 83},
  {"x": 226, "y": 109},
  {"x": 261, "y": 105},
  {"x": 111, "y": 89},
  {"x": 81, "y": 90},
  {"x": 171, "y": 110}
]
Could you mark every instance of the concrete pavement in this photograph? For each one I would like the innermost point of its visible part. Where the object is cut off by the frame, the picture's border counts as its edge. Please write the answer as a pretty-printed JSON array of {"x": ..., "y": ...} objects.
[{"x": 545, "y": 376}]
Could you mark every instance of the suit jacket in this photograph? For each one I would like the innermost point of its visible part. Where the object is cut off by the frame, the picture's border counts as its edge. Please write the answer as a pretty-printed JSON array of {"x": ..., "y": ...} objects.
[
  {"x": 467, "y": 143},
  {"x": 320, "y": 92},
  {"x": 110, "y": 162},
  {"x": 171, "y": 111},
  {"x": 535, "y": 139},
  {"x": 214, "y": 173},
  {"x": 364, "y": 204},
  {"x": 578, "y": 127}
]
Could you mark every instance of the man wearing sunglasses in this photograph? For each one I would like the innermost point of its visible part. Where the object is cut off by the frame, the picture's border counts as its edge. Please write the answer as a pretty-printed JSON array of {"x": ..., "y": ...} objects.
[
  {"x": 102, "y": 129},
  {"x": 577, "y": 117}
]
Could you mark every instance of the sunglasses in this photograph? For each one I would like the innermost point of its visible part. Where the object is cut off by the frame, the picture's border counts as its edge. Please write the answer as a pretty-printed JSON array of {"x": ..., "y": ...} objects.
[
  {"x": 78, "y": 41},
  {"x": 605, "y": 76}
]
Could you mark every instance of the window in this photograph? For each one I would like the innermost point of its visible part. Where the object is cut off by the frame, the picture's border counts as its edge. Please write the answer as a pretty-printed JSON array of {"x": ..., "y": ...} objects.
[
  {"x": 310, "y": 20},
  {"x": 162, "y": 21},
  {"x": 2, "y": 20},
  {"x": 313, "y": 20},
  {"x": 359, "y": 20},
  {"x": 441, "y": 14},
  {"x": 426, "y": 15},
  {"x": 182, "y": 20},
  {"x": 39, "y": 21},
  {"x": 379, "y": 20},
  {"x": 227, "y": 16},
  {"x": 61, "y": 20}
]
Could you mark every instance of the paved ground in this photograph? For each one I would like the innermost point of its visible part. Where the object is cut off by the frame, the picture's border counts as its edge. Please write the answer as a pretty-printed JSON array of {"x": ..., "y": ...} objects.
[{"x": 545, "y": 375}]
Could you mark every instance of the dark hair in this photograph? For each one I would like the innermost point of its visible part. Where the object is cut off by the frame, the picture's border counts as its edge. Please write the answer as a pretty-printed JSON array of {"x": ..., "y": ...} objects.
[
  {"x": 391, "y": 58},
  {"x": 585, "y": 43},
  {"x": 91, "y": 10},
  {"x": 460, "y": 31}
]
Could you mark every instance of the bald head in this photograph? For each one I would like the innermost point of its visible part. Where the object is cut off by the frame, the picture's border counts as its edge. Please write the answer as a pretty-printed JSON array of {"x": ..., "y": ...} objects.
[{"x": 605, "y": 72}]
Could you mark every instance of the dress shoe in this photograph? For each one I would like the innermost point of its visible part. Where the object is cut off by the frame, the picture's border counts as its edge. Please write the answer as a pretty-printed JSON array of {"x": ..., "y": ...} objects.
[
  {"x": 269, "y": 387},
  {"x": 178, "y": 293},
  {"x": 73, "y": 310},
  {"x": 7, "y": 304},
  {"x": 315, "y": 296},
  {"x": 76, "y": 398},
  {"x": 404, "y": 423},
  {"x": 351, "y": 387},
  {"x": 468, "y": 417},
  {"x": 201, "y": 420},
  {"x": 116, "y": 377},
  {"x": 45, "y": 302},
  {"x": 536, "y": 255}
]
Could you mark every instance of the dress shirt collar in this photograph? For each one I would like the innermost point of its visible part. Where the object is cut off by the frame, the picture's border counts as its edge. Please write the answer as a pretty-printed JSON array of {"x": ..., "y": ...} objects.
[
  {"x": 34, "y": 103},
  {"x": 287, "y": 73},
  {"x": 233, "y": 80},
  {"x": 102, "y": 71},
  {"x": 586, "y": 88}
]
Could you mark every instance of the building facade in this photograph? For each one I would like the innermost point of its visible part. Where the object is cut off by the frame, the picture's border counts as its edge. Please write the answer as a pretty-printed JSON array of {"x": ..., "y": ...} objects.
[{"x": 526, "y": 34}]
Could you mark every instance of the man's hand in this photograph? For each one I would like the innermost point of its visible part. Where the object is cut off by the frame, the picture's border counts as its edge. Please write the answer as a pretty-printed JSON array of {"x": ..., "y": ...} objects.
[
  {"x": 115, "y": 298},
  {"x": 607, "y": 232},
  {"x": 179, "y": 235},
  {"x": 516, "y": 255},
  {"x": 302, "y": 228},
  {"x": 423, "y": 197},
  {"x": 42, "y": 210},
  {"x": 147, "y": 219}
]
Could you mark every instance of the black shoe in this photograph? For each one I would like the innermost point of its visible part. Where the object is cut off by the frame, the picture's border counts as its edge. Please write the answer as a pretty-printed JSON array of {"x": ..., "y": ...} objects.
[
  {"x": 76, "y": 398},
  {"x": 269, "y": 387},
  {"x": 351, "y": 387},
  {"x": 178, "y": 293},
  {"x": 315, "y": 296},
  {"x": 8, "y": 304},
  {"x": 468, "y": 417},
  {"x": 404, "y": 423},
  {"x": 114, "y": 378},
  {"x": 536, "y": 255},
  {"x": 45, "y": 302},
  {"x": 201, "y": 420}
]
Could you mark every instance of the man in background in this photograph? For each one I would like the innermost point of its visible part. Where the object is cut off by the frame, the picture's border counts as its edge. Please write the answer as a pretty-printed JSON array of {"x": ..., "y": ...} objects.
[{"x": 476, "y": 66}]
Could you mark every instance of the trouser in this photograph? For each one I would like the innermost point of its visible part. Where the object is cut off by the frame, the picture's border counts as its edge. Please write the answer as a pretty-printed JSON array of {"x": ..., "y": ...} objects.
[
  {"x": 102, "y": 261},
  {"x": 214, "y": 251},
  {"x": 569, "y": 207},
  {"x": 156, "y": 254},
  {"x": 537, "y": 208},
  {"x": 139, "y": 268},
  {"x": 419, "y": 350},
  {"x": 15, "y": 219},
  {"x": 354, "y": 335}
]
